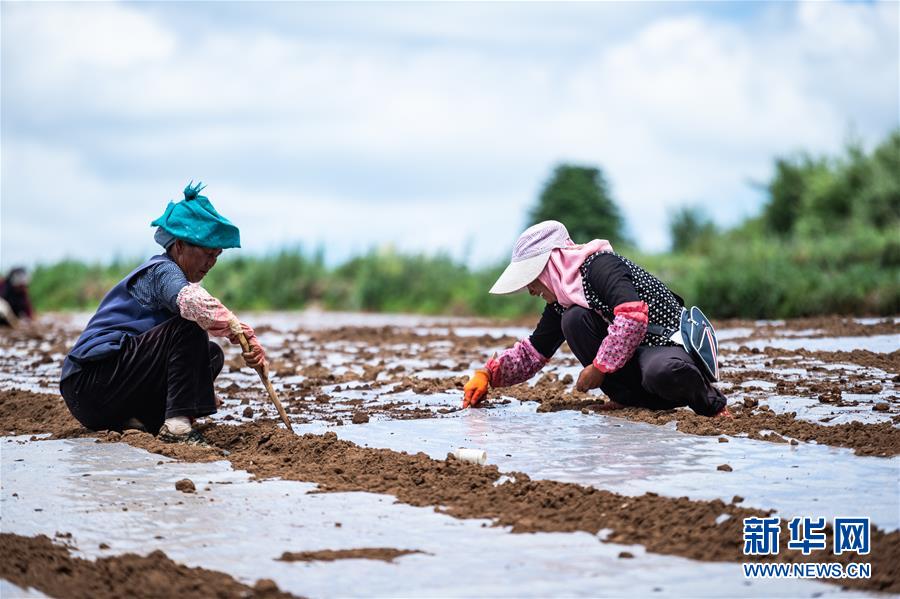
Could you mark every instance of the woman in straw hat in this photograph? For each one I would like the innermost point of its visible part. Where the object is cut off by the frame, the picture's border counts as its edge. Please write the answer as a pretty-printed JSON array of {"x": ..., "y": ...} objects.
[{"x": 601, "y": 304}]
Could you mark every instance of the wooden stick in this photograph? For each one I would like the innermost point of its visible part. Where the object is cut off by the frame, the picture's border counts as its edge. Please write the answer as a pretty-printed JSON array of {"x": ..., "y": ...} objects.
[{"x": 263, "y": 377}]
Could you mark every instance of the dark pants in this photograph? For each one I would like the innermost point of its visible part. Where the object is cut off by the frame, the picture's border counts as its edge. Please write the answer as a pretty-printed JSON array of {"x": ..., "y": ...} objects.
[
  {"x": 167, "y": 371},
  {"x": 658, "y": 378}
]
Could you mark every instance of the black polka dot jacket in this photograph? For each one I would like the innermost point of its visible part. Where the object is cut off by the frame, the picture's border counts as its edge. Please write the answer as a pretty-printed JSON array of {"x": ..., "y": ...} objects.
[{"x": 624, "y": 294}]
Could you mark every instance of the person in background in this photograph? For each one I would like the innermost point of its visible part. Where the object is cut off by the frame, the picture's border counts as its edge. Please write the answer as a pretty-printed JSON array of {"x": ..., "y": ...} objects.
[
  {"x": 14, "y": 294},
  {"x": 601, "y": 304},
  {"x": 145, "y": 359}
]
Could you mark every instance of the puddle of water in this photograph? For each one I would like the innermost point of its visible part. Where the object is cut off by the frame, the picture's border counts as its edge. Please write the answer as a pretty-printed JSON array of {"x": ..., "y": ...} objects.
[
  {"x": 758, "y": 384},
  {"x": 884, "y": 344},
  {"x": 429, "y": 373},
  {"x": 8, "y": 589},
  {"x": 813, "y": 410},
  {"x": 801, "y": 332},
  {"x": 876, "y": 320},
  {"x": 495, "y": 332},
  {"x": 240, "y": 527},
  {"x": 317, "y": 320},
  {"x": 633, "y": 458},
  {"x": 24, "y": 382},
  {"x": 736, "y": 333}
]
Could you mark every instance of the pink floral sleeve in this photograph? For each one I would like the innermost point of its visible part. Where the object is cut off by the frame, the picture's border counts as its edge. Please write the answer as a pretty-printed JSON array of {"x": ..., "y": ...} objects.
[
  {"x": 197, "y": 304},
  {"x": 625, "y": 333},
  {"x": 515, "y": 365}
]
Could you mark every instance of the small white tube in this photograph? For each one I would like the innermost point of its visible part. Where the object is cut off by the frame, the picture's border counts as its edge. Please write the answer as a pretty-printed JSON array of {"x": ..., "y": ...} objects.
[{"x": 476, "y": 456}]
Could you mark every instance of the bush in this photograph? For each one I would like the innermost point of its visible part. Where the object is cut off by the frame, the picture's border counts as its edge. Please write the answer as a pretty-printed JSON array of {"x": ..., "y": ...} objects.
[{"x": 827, "y": 242}]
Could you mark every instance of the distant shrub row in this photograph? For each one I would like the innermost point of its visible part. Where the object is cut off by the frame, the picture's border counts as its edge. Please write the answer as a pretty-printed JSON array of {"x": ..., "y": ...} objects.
[{"x": 827, "y": 242}]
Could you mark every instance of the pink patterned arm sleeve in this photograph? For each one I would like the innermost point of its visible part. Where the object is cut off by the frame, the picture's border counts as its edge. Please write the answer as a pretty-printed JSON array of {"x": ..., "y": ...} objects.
[
  {"x": 515, "y": 365},
  {"x": 197, "y": 304},
  {"x": 625, "y": 333}
]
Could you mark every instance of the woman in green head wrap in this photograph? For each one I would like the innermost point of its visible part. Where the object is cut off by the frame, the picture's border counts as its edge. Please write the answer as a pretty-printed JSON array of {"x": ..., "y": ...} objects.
[{"x": 145, "y": 358}]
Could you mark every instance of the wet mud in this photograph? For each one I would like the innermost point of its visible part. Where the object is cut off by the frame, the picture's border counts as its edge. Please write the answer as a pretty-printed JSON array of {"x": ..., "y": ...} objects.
[
  {"x": 357, "y": 374},
  {"x": 750, "y": 419},
  {"x": 672, "y": 526},
  {"x": 351, "y": 374},
  {"x": 384, "y": 554},
  {"x": 36, "y": 562},
  {"x": 26, "y": 412},
  {"x": 813, "y": 328},
  {"x": 888, "y": 362}
]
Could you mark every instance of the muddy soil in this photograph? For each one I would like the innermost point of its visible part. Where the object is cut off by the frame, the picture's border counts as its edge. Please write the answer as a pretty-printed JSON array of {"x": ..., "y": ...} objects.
[
  {"x": 889, "y": 362},
  {"x": 749, "y": 419},
  {"x": 37, "y": 563},
  {"x": 828, "y": 376},
  {"x": 815, "y": 327},
  {"x": 357, "y": 373},
  {"x": 26, "y": 412},
  {"x": 391, "y": 335},
  {"x": 384, "y": 554},
  {"x": 673, "y": 526},
  {"x": 386, "y": 361}
]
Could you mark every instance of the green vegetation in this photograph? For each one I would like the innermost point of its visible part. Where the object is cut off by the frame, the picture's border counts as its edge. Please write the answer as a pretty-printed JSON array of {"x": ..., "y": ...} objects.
[
  {"x": 691, "y": 230},
  {"x": 579, "y": 197},
  {"x": 827, "y": 242},
  {"x": 757, "y": 277},
  {"x": 379, "y": 281}
]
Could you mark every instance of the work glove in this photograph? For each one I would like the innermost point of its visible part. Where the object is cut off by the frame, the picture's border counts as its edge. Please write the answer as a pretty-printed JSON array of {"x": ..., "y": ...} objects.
[
  {"x": 256, "y": 357},
  {"x": 476, "y": 388}
]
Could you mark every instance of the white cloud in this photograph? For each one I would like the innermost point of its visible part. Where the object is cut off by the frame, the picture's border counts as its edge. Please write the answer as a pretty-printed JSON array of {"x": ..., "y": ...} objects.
[
  {"x": 427, "y": 125},
  {"x": 56, "y": 44},
  {"x": 54, "y": 207}
]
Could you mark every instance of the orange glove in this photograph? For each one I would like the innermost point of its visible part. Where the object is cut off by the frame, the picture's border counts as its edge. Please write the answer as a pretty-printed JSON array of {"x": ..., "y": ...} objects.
[{"x": 476, "y": 388}]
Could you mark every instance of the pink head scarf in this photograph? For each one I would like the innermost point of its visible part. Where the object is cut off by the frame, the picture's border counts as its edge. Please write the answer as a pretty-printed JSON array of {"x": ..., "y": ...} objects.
[{"x": 562, "y": 275}]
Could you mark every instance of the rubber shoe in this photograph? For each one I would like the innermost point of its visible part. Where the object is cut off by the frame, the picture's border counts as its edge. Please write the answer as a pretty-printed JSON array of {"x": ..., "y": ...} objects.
[{"x": 193, "y": 437}]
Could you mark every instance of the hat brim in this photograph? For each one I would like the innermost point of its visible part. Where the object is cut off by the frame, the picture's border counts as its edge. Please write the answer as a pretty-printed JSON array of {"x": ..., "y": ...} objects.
[{"x": 519, "y": 274}]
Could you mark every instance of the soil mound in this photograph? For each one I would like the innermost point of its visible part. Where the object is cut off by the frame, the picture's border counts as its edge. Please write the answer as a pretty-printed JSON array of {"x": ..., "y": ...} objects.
[
  {"x": 24, "y": 412},
  {"x": 675, "y": 526},
  {"x": 817, "y": 327},
  {"x": 36, "y": 562},
  {"x": 874, "y": 439}
]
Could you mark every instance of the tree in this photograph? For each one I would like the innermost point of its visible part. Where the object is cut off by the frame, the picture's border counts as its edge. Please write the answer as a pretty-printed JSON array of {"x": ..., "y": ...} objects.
[
  {"x": 786, "y": 192},
  {"x": 811, "y": 196},
  {"x": 879, "y": 200},
  {"x": 579, "y": 197},
  {"x": 691, "y": 229}
]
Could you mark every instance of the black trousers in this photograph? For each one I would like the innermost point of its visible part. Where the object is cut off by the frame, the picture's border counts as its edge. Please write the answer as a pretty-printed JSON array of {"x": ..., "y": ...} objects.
[
  {"x": 658, "y": 378},
  {"x": 167, "y": 371}
]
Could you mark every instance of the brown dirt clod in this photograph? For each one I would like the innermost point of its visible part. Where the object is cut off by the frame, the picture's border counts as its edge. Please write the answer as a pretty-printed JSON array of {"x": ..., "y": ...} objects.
[{"x": 186, "y": 485}]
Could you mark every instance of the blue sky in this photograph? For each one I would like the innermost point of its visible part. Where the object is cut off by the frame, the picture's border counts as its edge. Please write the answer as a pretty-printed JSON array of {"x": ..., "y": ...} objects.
[{"x": 429, "y": 126}]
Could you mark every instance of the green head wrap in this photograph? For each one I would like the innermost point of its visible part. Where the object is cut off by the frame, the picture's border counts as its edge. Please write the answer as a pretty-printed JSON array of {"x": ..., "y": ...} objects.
[{"x": 196, "y": 221}]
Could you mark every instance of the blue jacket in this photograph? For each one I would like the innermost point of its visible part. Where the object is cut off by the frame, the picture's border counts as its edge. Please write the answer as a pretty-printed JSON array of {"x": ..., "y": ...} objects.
[{"x": 119, "y": 316}]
